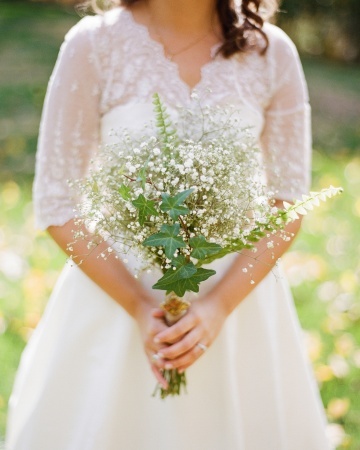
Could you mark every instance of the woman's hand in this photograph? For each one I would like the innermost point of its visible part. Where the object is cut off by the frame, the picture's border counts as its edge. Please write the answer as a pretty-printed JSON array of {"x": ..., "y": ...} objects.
[
  {"x": 182, "y": 342},
  {"x": 151, "y": 322}
]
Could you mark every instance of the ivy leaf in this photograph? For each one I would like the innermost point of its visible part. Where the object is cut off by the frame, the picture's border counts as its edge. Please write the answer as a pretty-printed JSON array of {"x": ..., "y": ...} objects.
[
  {"x": 124, "y": 191},
  {"x": 146, "y": 208},
  {"x": 181, "y": 286},
  {"x": 172, "y": 205},
  {"x": 223, "y": 252},
  {"x": 168, "y": 238},
  {"x": 176, "y": 280},
  {"x": 182, "y": 196},
  {"x": 202, "y": 248},
  {"x": 185, "y": 278},
  {"x": 202, "y": 275},
  {"x": 179, "y": 261}
]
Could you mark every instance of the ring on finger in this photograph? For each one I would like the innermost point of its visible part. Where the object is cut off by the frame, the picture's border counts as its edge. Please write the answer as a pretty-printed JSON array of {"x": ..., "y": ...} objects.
[
  {"x": 155, "y": 357},
  {"x": 203, "y": 347}
]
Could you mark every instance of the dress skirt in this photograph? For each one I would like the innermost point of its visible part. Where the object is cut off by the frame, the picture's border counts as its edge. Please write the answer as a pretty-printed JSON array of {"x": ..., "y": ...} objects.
[{"x": 84, "y": 382}]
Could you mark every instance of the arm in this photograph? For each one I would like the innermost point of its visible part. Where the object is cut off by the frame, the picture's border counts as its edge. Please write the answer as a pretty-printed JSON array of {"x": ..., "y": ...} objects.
[
  {"x": 110, "y": 274},
  {"x": 68, "y": 139},
  {"x": 113, "y": 277},
  {"x": 227, "y": 291}
]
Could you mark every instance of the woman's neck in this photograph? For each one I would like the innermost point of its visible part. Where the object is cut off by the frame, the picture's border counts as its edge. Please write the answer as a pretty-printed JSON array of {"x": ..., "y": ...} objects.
[{"x": 186, "y": 16}]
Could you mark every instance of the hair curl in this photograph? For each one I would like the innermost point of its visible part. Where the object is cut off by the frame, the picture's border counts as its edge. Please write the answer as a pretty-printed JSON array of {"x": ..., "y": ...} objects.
[{"x": 239, "y": 28}]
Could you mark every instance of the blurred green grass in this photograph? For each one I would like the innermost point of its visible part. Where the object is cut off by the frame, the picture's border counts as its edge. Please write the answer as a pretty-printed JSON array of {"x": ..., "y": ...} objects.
[{"x": 323, "y": 266}]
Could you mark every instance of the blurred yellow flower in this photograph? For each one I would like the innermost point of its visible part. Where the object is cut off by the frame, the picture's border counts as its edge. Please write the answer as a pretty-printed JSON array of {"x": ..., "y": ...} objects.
[
  {"x": 349, "y": 281},
  {"x": 34, "y": 288},
  {"x": 338, "y": 408},
  {"x": 339, "y": 366},
  {"x": 323, "y": 373},
  {"x": 329, "y": 179},
  {"x": 344, "y": 345},
  {"x": 352, "y": 171},
  {"x": 314, "y": 345},
  {"x": 356, "y": 207},
  {"x": 10, "y": 194},
  {"x": 335, "y": 322}
]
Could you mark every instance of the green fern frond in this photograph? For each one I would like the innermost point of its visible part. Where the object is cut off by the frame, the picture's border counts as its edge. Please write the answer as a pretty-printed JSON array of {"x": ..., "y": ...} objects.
[{"x": 164, "y": 125}]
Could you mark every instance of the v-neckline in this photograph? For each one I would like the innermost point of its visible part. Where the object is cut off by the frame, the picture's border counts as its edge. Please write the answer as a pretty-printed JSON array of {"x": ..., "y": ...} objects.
[{"x": 172, "y": 65}]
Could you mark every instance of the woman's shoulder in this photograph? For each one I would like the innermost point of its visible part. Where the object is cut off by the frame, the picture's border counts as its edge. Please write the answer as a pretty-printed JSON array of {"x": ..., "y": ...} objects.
[
  {"x": 280, "y": 44},
  {"x": 95, "y": 26}
]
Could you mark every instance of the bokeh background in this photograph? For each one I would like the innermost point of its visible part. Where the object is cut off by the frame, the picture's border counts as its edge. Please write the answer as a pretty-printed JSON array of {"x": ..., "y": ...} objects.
[{"x": 323, "y": 265}]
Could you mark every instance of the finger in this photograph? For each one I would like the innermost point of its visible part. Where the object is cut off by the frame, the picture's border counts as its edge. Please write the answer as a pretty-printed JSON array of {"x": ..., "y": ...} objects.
[
  {"x": 182, "y": 369},
  {"x": 177, "y": 331},
  {"x": 159, "y": 377},
  {"x": 185, "y": 360},
  {"x": 151, "y": 348},
  {"x": 156, "y": 361},
  {"x": 157, "y": 313},
  {"x": 157, "y": 326},
  {"x": 180, "y": 347}
]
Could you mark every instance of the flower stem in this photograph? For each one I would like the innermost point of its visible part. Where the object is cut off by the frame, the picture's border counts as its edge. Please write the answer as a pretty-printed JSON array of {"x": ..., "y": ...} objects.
[{"x": 176, "y": 382}]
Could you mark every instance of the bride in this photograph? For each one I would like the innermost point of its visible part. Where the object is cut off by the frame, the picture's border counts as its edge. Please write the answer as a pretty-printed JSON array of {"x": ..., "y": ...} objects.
[{"x": 86, "y": 376}]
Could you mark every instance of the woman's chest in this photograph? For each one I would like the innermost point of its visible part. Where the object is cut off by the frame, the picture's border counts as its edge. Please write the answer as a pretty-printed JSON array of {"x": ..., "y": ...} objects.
[{"x": 134, "y": 67}]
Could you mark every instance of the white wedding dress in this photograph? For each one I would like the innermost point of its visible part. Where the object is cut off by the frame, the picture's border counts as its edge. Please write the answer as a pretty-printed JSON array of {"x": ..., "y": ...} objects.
[{"x": 84, "y": 382}]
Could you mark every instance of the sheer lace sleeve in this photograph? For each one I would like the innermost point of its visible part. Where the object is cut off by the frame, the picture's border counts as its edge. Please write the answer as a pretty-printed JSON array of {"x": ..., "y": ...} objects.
[
  {"x": 286, "y": 136},
  {"x": 69, "y": 129}
]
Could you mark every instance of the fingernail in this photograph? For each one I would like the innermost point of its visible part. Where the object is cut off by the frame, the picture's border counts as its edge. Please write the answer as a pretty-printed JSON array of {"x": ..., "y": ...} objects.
[
  {"x": 168, "y": 366},
  {"x": 156, "y": 340},
  {"x": 160, "y": 355}
]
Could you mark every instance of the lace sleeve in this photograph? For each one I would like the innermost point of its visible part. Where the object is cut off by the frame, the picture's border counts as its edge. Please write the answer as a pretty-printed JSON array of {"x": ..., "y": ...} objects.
[
  {"x": 69, "y": 129},
  {"x": 286, "y": 136}
]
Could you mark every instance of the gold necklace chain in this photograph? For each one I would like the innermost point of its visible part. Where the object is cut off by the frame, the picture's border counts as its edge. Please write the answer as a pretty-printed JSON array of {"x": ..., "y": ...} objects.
[{"x": 169, "y": 54}]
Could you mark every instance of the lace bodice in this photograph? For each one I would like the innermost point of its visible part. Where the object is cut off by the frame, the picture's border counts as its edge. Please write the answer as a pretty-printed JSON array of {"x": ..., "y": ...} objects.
[{"x": 107, "y": 71}]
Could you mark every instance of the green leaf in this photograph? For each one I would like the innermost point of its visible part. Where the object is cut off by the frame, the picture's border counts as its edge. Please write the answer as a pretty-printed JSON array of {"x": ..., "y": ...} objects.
[
  {"x": 95, "y": 187},
  {"x": 182, "y": 286},
  {"x": 142, "y": 176},
  {"x": 185, "y": 278},
  {"x": 253, "y": 238},
  {"x": 163, "y": 122},
  {"x": 202, "y": 248},
  {"x": 182, "y": 196},
  {"x": 124, "y": 191},
  {"x": 168, "y": 238},
  {"x": 174, "y": 279},
  {"x": 146, "y": 208},
  {"x": 177, "y": 211},
  {"x": 179, "y": 261},
  {"x": 237, "y": 247},
  {"x": 172, "y": 205},
  {"x": 202, "y": 274}
]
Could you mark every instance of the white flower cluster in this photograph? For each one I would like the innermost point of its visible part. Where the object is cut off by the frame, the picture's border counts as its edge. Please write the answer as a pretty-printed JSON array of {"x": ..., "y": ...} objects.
[
  {"x": 223, "y": 170},
  {"x": 229, "y": 204}
]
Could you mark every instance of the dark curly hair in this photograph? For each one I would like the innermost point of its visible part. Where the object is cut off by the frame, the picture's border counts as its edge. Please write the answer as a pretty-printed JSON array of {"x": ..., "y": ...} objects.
[{"x": 238, "y": 30}]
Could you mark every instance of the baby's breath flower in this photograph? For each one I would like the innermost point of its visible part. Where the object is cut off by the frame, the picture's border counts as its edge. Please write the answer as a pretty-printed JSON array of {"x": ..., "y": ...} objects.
[{"x": 222, "y": 168}]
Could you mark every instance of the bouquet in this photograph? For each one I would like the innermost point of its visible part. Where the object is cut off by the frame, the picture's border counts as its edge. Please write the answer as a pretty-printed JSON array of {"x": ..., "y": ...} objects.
[{"x": 183, "y": 202}]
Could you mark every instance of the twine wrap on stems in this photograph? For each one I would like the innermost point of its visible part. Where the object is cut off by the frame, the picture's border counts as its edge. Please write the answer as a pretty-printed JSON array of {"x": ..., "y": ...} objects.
[{"x": 175, "y": 308}]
